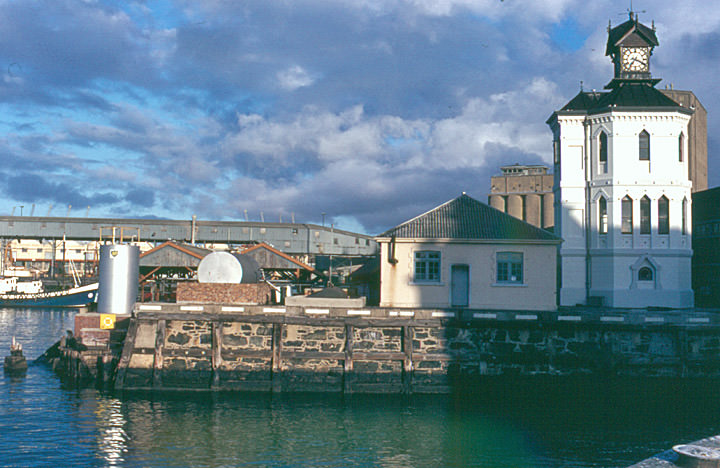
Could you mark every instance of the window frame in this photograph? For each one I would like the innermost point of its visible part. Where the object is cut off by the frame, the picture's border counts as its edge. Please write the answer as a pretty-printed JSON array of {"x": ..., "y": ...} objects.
[
  {"x": 602, "y": 152},
  {"x": 681, "y": 147},
  {"x": 645, "y": 215},
  {"x": 510, "y": 268},
  {"x": 663, "y": 207},
  {"x": 644, "y": 146},
  {"x": 602, "y": 216},
  {"x": 641, "y": 274},
  {"x": 429, "y": 264},
  {"x": 626, "y": 211}
]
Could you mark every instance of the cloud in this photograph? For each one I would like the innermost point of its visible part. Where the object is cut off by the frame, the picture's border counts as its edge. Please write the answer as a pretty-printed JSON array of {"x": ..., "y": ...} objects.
[
  {"x": 370, "y": 111},
  {"x": 294, "y": 77}
]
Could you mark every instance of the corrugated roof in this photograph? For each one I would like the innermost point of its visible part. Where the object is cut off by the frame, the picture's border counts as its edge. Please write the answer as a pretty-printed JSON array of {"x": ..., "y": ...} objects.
[{"x": 466, "y": 218}]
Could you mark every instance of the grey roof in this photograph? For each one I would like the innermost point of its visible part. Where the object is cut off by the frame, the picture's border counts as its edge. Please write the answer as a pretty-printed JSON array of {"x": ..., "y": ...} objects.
[
  {"x": 631, "y": 33},
  {"x": 173, "y": 254},
  {"x": 466, "y": 218}
]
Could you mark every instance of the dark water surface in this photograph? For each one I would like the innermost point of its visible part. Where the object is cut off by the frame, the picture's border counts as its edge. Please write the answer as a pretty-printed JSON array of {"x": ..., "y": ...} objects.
[{"x": 518, "y": 422}]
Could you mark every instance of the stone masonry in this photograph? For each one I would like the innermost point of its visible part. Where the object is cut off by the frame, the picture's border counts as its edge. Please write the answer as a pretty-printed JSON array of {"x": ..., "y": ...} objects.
[{"x": 283, "y": 349}]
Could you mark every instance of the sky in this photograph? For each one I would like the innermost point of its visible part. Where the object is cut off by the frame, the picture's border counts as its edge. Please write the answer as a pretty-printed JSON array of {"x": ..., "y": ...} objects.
[{"x": 358, "y": 113}]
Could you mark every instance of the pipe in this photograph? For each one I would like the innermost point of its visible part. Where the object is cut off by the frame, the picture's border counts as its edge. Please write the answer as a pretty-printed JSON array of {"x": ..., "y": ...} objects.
[
  {"x": 588, "y": 204},
  {"x": 192, "y": 233}
]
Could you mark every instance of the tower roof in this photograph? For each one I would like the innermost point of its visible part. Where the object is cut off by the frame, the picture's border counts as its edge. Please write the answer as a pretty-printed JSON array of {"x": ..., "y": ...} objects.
[
  {"x": 629, "y": 95},
  {"x": 631, "y": 33}
]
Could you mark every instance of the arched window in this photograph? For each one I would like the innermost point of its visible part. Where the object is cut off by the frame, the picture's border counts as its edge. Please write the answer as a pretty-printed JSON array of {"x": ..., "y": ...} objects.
[
  {"x": 644, "y": 141},
  {"x": 663, "y": 215},
  {"x": 602, "y": 213},
  {"x": 684, "y": 216},
  {"x": 627, "y": 215},
  {"x": 681, "y": 147},
  {"x": 645, "y": 274},
  {"x": 645, "y": 215},
  {"x": 603, "y": 152}
]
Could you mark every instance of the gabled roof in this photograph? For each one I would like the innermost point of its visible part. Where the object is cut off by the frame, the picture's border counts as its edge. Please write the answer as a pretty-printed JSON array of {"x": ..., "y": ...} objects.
[
  {"x": 466, "y": 218},
  {"x": 631, "y": 33},
  {"x": 172, "y": 254},
  {"x": 272, "y": 259}
]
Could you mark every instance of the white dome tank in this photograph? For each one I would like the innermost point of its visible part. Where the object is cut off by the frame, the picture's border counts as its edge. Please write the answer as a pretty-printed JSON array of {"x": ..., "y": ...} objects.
[{"x": 224, "y": 267}]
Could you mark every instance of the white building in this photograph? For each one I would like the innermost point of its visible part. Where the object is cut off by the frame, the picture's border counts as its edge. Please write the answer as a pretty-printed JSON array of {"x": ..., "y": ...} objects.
[
  {"x": 466, "y": 255},
  {"x": 622, "y": 187}
]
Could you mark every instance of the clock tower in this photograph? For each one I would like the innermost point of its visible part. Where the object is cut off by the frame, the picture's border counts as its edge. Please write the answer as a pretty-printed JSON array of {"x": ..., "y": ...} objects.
[
  {"x": 630, "y": 46},
  {"x": 621, "y": 186}
]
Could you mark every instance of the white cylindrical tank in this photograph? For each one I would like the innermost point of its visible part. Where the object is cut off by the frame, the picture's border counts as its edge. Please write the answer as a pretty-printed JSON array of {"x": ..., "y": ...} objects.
[
  {"x": 119, "y": 275},
  {"x": 224, "y": 267}
]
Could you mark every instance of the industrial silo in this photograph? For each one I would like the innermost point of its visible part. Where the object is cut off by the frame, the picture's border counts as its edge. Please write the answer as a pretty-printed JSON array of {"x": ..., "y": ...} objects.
[{"x": 119, "y": 274}]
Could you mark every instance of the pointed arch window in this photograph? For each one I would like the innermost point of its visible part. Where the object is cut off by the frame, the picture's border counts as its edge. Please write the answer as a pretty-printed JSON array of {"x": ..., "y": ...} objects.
[
  {"x": 627, "y": 215},
  {"x": 684, "y": 216},
  {"x": 644, "y": 142},
  {"x": 681, "y": 147},
  {"x": 663, "y": 215},
  {"x": 645, "y": 215},
  {"x": 603, "y": 152},
  {"x": 602, "y": 214},
  {"x": 645, "y": 274}
]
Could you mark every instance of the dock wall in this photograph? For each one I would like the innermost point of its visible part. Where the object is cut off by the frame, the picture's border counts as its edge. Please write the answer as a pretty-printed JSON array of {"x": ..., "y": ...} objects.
[{"x": 264, "y": 348}]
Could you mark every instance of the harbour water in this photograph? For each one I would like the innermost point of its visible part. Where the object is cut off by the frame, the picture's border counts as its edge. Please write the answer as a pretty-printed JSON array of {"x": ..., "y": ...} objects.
[{"x": 513, "y": 422}]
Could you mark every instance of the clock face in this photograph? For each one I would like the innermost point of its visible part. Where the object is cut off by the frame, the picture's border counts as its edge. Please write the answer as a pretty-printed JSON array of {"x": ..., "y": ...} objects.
[{"x": 635, "y": 59}]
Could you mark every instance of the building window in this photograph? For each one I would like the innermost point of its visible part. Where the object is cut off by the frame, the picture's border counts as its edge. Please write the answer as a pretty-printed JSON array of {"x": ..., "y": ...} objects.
[
  {"x": 603, "y": 152},
  {"x": 644, "y": 146},
  {"x": 509, "y": 267},
  {"x": 602, "y": 212},
  {"x": 684, "y": 216},
  {"x": 645, "y": 274},
  {"x": 681, "y": 147},
  {"x": 645, "y": 215},
  {"x": 627, "y": 215},
  {"x": 663, "y": 215},
  {"x": 427, "y": 266},
  {"x": 556, "y": 151}
]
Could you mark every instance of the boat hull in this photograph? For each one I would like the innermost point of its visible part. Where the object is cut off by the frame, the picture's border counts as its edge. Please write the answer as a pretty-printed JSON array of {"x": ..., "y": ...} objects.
[{"x": 74, "y": 297}]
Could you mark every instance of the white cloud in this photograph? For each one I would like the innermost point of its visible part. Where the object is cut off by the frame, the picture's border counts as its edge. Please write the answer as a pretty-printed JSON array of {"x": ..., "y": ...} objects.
[{"x": 294, "y": 77}]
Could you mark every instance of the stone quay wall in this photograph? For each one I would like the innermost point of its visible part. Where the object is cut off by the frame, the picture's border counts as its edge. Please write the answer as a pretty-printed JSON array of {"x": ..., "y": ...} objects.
[{"x": 278, "y": 348}]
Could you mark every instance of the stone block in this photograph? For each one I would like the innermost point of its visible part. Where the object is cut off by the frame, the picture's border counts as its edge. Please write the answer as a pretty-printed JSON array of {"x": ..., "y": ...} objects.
[
  {"x": 224, "y": 293},
  {"x": 87, "y": 320},
  {"x": 94, "y": 337}
]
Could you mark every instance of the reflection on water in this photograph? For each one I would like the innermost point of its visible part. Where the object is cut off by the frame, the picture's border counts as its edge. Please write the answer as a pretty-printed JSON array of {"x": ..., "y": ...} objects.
[{"x": 509, "y": 423}]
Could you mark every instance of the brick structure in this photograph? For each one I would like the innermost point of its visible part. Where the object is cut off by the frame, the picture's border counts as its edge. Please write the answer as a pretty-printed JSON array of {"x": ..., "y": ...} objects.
[{"x": 223, "y": 293}]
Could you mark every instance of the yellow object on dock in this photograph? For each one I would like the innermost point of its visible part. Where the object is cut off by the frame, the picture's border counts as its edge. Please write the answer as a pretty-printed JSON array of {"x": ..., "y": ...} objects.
[{"x": 107, "y": 321}]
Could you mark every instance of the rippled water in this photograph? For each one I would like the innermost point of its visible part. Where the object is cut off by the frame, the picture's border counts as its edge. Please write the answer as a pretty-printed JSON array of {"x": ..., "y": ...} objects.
[{"x": 510, "y": 423}]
